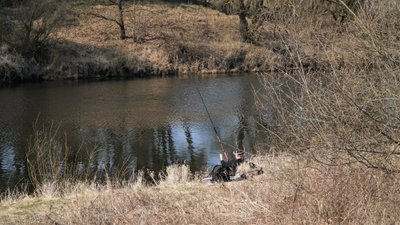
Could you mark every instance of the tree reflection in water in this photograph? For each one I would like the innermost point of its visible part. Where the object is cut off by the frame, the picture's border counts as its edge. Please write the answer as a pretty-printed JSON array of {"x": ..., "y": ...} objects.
[{"x": 126, "y": 126}]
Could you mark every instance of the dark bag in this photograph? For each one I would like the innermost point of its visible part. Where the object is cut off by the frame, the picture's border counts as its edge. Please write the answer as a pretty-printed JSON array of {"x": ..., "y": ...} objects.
[{"x": 220, "y": 173}]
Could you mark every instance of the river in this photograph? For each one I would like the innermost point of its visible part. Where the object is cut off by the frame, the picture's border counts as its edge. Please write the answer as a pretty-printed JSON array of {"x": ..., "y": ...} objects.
[{"x": 151, "y": 123}]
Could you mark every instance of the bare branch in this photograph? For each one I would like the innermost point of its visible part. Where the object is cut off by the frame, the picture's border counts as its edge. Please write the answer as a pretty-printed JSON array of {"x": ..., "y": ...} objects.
[{"x": 103, "y": 17}]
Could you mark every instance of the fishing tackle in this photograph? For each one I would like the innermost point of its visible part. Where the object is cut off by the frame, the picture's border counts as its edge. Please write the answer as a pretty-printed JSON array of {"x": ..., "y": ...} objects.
[{"x": 212, "y": 123}]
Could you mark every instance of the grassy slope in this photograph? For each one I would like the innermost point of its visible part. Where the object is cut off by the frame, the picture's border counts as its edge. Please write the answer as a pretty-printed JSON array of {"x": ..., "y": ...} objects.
[
  {"x": 192, "y": 39},
  {"x": 173, "y": 39},
  {"x": 182, "y": 39}
]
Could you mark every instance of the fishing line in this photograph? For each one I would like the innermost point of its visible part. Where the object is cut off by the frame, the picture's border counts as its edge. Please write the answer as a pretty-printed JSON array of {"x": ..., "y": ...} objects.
[{"x": 212, "y": 123}]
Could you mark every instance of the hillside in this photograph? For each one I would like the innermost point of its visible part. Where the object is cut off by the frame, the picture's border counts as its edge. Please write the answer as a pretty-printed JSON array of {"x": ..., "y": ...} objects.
[{"x": 170, "y": 39}]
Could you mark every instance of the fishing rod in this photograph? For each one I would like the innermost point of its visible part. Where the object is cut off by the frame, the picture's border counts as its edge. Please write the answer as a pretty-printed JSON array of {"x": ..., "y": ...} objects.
[{"x": 212, "y": 123}]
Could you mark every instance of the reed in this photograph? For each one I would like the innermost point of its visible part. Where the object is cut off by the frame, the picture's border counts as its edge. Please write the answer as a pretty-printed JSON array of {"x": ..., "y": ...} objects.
[
  {"x": 53, "y": 166},
  {"x": 48, "y": 159}
]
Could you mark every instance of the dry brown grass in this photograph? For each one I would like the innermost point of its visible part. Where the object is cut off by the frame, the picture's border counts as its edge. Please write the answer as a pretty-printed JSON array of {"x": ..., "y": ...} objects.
[
  {"x": 291, "y": 191},
  {"x": 169, "y": 39},
  {"x": 166, "y": 39}
]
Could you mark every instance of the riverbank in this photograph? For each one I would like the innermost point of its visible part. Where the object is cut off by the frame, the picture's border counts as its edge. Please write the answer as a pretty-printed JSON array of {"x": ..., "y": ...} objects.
[
  {"x": 291, "y": 191},
  {"x": 178, "y": 39},
  {"x": 175, "y": 39}
]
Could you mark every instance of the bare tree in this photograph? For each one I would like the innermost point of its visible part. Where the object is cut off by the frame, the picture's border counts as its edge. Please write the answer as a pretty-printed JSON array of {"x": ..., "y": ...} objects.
[
  {"x": 119, "y": 19},
  {"x": 251, "y": 9}
]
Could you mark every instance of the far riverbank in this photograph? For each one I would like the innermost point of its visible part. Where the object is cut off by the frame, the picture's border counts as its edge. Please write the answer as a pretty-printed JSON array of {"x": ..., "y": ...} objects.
[{"x": 181, "y": 39}]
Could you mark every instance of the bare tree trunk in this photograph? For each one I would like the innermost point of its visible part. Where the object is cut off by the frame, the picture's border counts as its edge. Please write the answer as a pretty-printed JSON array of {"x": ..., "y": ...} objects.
[
  {"x": 121, "y": 23},
  {"x": 119, "y": 19},
  {"x": 243, "y": 25}
]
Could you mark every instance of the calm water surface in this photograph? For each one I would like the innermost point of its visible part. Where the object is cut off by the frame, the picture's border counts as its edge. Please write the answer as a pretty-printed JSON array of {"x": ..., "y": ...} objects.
[{"x": 153, "y": 123}]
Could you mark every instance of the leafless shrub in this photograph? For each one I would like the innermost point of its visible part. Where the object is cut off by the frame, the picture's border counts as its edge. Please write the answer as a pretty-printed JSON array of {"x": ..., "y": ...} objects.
[
  {"x": 30, "y": 25},
  {"x": 347, "y": 115},
  {"x": 13, "y": 66}
]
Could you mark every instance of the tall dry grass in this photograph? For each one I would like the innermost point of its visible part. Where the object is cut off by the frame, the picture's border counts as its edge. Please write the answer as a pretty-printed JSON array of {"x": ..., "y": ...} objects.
[
  {"x": 53, "y": 166},
  {"x": 291, "y": 191},
  {"x": 50, "y": 162}
]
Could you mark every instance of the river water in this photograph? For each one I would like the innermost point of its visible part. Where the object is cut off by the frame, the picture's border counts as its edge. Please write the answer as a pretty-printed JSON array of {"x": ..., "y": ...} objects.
[{"x": 151, "y": 123}]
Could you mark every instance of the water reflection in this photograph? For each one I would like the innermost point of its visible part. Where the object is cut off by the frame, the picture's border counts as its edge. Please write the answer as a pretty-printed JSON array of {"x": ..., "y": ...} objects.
[{"x": 135, "y": 124}]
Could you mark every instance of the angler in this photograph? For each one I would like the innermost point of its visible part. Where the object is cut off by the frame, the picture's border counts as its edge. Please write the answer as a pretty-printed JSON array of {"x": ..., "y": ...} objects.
[{"x": 227, "y": 171}]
